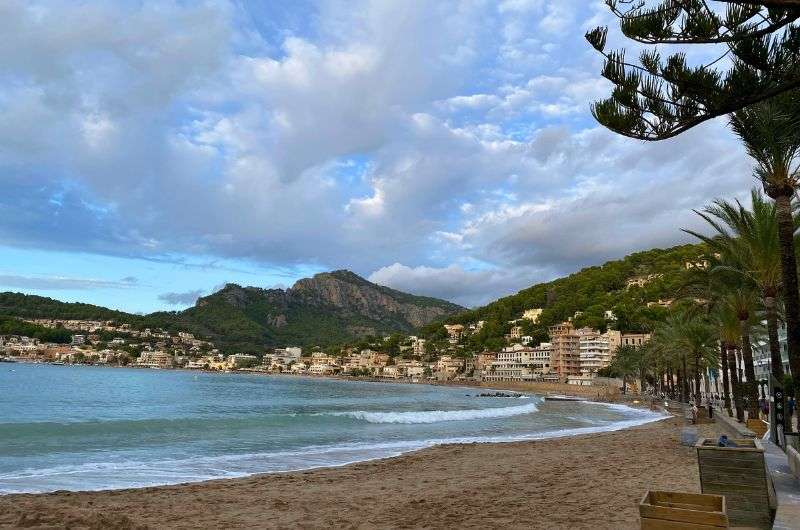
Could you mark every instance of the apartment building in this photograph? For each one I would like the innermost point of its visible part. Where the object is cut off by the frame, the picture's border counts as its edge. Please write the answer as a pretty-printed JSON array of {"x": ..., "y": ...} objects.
[
  {"x": 762, "y": 357},
  {"x": 565, "y": 350},
  {"x": 597, "y": 350}
]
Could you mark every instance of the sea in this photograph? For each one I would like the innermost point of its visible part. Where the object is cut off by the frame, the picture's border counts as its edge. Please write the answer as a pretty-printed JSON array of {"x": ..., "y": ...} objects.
[{"x": 94, "y": 428}]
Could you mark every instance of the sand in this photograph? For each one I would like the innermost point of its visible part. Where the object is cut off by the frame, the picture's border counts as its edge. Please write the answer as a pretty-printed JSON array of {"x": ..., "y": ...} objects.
[{"x": 591, "y": 481}]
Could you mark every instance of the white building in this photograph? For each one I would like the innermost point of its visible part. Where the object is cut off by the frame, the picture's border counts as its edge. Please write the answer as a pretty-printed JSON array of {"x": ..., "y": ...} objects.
[
  {"x": 241, "y": 360},
  {"x": 286, "y": 356},
  {"x": 532, "y": 314},
  {"x": 595, "y": 353},
  {"x": 762, "y": 359},
  {"x": 519, "y": 363},
  {"x": 323, "y": 369},
  {"x": 155, "y": 359}
]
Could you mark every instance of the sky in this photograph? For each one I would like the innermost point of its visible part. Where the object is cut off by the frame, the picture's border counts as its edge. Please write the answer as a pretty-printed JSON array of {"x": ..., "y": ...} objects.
[{"x": 150, "y": 152}]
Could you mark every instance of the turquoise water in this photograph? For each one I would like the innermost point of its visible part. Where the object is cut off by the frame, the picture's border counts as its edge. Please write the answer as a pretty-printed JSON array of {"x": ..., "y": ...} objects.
[{"x": 88, "y": 428}]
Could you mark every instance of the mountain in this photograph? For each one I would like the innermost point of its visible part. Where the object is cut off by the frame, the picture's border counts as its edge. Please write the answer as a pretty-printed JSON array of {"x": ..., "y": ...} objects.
[
  {"x": 330, "y": 308},
  {"x": 655, "y": 275}
]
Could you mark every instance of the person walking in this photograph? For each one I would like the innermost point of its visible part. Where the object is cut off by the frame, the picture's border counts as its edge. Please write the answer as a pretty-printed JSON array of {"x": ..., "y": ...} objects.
[{"x": 710, "y": 404}]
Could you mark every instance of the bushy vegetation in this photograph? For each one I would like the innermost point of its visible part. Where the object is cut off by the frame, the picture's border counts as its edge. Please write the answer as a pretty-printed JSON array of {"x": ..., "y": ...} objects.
[
  {"x": 14, "y": 326},
  {"x": 593, "y": 291}
]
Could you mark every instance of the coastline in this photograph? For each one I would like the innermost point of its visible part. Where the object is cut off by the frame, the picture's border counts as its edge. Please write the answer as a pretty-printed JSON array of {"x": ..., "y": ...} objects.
[
  {"x": 474, "y": 485},
  {"x": 595, "y": 393}
]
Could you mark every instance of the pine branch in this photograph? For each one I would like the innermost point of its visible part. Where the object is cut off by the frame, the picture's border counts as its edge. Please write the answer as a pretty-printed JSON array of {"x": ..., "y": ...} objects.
[{"x": 657, "y": 100}]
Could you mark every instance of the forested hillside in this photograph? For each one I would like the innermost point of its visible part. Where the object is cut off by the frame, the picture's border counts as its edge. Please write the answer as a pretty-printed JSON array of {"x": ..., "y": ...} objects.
[{"x": 593, "y": 291}]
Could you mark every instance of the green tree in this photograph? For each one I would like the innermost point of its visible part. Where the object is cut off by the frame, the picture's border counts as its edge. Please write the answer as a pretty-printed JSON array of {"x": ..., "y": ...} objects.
[
  {"x": 661, "y": 98},
  {"x": 771, "y": 133},
  {"x": 687, "y": 341},
  {"x": 748, "y": 239},
  {"x": 626, "y": 364}
]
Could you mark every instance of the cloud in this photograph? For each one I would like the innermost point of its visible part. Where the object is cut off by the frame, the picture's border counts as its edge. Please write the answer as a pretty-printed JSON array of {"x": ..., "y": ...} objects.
[
  {"x": 181, "y": 299},
  {"x": 454, "y": 283},
  {"x": 63, "y": 283},
  {"x": 623, "y": 198},
  {"x": 336, "y": 135}
]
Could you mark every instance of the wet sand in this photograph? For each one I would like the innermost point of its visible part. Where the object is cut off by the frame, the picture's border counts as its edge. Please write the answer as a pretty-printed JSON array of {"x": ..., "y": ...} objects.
[{"x": 591, "y": 481}]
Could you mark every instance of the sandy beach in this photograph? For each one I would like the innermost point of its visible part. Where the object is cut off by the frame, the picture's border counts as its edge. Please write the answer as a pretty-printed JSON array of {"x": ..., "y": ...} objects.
[{"x": 591, "y": 481}]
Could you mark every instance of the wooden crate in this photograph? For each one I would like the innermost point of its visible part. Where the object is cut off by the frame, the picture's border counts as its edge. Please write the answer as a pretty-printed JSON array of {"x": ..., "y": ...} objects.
[
  {"x": 668, "y": 510},
  {"x": 740, "y": 474}
]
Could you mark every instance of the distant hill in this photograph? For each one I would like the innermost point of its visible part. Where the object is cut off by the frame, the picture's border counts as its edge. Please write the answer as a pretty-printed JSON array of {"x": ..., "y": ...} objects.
[
  {"x": 32, "y": 306},
  {"x": 330, "y": 308},
  {"x": 593, "y": 291}
]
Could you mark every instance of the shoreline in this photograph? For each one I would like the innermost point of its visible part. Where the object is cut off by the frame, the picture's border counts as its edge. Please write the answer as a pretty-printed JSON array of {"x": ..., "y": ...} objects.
[
  {"x": 648, "y": 453},
  {"x": 415, "y": 446}
]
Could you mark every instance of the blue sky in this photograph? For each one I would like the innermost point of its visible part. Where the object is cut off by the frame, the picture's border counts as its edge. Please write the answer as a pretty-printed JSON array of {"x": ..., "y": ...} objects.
[{"x": 153, "y": 151}]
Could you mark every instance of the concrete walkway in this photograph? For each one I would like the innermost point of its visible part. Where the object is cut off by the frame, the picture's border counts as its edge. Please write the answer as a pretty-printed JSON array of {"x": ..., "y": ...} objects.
[
  {"x": 787, "y": 488},
  {"x": 738, "y": 429}
]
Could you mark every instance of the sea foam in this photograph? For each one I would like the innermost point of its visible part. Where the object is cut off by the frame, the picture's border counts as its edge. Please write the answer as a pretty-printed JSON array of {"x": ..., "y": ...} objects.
[{"x": 436, "y": 416}]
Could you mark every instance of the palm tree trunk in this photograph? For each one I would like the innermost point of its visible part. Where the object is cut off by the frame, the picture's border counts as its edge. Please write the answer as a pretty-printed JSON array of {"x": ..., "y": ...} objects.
[
  {"x": 774, "y": 341},
  {"x": 670, "y": 382},
  {"x": 684, "y": 381},
  {"x": 697, "y": 376},
  {"x": 751, "y": 388},
  {"x": 791, "y": 296},
  {"x": 735, "y": 387},
  {"x": 726, "y": 394}
]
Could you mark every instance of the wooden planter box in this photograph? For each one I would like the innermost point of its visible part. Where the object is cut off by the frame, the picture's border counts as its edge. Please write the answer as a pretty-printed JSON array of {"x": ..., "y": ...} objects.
[
  {"x": 758, "y": 426},
  {"x": 667, "y": 510},
  {"x": 740, "y": 474}
]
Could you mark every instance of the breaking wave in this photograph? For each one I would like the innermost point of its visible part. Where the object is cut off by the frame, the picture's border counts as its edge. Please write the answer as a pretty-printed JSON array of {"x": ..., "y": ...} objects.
[{"x": 436, "y": 416}]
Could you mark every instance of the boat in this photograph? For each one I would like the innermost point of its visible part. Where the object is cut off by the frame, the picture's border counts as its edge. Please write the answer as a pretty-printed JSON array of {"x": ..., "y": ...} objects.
[{"x": 563, "y": 398}]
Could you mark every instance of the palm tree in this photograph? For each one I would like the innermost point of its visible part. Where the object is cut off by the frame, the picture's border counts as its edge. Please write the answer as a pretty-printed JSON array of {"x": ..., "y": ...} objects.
[
  {"x": 626, "y": 364},
  {"x": 742, "y": 300},
  {"x": 707, "y": 284},
  {"x": 749, "y": 241},
  {"x": 690, "y": 341},
  {"x": 728, "y": 329},
  {"x": 770, "y": 131}
]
